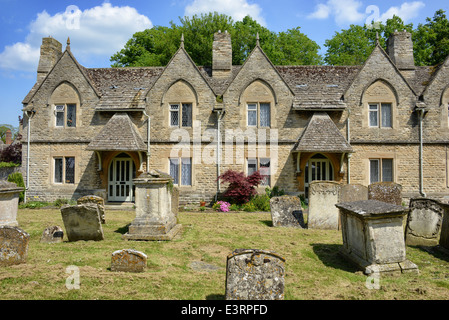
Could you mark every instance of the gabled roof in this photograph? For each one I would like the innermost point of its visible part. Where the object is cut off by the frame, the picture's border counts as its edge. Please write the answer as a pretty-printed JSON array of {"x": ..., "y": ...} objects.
[
  {"x": 119, "y": 134},
  {"x": 322, "y": 135}
]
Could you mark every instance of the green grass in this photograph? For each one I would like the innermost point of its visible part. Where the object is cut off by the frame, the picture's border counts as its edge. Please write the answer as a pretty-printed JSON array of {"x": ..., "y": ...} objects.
[{"x": 314, "y": 267}]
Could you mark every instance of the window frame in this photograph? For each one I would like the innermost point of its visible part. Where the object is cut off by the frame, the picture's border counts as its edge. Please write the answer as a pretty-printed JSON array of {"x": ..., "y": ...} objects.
[
  {"x": 64, "y": 172},
  {"x": 181, "y": 114},
  {"x": 65, "y": 113},
  {"x": 178, "y": 180},
  {"x": 258, "y": 165},
  {"x": 380, "y": 114},
  {"x": 256, "y": 107},
  {"x": 381, "y": 168}
]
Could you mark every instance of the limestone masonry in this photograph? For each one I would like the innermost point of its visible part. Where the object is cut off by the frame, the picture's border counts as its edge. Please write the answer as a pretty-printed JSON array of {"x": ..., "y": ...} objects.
[{"x": 94, "y": 130}]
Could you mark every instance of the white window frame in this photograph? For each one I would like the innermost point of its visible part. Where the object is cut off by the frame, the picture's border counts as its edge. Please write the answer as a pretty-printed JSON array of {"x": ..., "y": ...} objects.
[
  {"x": 256, "y": 107},
  {"x": 63, "y": 108},
  {"x": 257, "y": 162},
  {"x": 378, "y": 108},
  {"x": 178, "y": 108},
  {"x": 63, "y": 160},
  {"x": 380, "y": 170},
  {"x": 178, "y": 181}
]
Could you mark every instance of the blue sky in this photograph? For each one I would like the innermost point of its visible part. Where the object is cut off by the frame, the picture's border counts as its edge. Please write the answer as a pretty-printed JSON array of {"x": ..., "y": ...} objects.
[{"x": 98, "y": 29}]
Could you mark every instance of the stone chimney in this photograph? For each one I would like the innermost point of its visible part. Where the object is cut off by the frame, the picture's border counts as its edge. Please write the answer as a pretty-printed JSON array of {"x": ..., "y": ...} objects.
[
  {"x": 400, "y": 50},
  {"x": 221, "y": 55},
  {"x": 51, "y": 51},
  {"x": 8, "y": 137}
]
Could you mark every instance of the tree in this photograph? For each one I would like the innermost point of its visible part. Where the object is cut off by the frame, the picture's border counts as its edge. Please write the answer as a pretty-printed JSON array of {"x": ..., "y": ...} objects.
[
  {"x": 241, "y": 188},
  {"x": 431, "y": 40},
  {"x": 156, "y": 46}
]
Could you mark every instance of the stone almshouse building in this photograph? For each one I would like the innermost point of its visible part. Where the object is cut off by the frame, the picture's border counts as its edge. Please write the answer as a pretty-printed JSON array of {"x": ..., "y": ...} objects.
[{"x": 87, "y": 128}]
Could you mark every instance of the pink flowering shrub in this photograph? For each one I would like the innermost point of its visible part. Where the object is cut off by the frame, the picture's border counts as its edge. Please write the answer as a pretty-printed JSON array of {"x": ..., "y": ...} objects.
[{"x": 222, "y": 206}]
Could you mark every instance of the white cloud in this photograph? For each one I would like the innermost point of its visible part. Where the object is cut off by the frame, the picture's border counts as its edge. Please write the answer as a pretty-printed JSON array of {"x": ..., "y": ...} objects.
[
  {"x": 347, "y": 12},
  {"x": 237, "y": 9},
  {"x": 99, "y": 31},
  {"x": 407, "y": 11}
]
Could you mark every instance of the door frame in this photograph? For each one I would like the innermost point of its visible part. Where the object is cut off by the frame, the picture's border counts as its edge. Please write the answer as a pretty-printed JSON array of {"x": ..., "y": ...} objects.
[{"x": 118, "y": 181}]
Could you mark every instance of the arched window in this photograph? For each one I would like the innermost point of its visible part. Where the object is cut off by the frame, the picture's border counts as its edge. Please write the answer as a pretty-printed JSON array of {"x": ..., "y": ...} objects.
[
  {"x": 180, "y": 101},
  {"x": 380, "y": 103},
  {"x": 258, "y": 100},
  {"x": 65, "y": 103}
]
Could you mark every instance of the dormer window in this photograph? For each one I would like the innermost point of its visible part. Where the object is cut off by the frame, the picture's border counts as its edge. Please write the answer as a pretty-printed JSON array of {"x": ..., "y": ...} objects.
[{"x": 65, "y": 115}]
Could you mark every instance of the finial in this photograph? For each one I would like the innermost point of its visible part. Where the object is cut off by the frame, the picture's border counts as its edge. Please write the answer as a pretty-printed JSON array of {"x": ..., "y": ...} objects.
[
  {"x": 68, "y": 43},
  {"x": 257, "y": 39},
  {"x": 182, "y": 40}
]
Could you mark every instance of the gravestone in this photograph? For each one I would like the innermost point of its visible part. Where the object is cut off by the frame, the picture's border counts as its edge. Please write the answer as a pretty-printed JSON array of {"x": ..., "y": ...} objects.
[
  {"x": 82, "y": 222},
  {"x": 13, "y": 245},
  {"x": 444, "y": 236},
  {"x": 323, "y": 196},
  {"x": 254, "y": 275},
  {"x": 388, "y": 192},
  {"x": 286, "y": 211},
  {"x": 353, "y": 192},
  {"x": 424, "y": 222},
  {"x": 128, "y": 260},
  {"x": 373, "y": 236},
  {"x": 9, "y": 202},
  {"x": 175, "y": 200},
  {"x": 155, "y": 219},
  {"x": 96, "y": 200},
  {"x": 53, "y": 234}
]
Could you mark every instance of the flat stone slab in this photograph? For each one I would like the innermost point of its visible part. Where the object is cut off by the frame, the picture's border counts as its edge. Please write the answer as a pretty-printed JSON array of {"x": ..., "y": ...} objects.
[
  {"x": 13, "y": 245},
  {"x": 128, "y": 260},
  {"x": 82, "y": 222}
]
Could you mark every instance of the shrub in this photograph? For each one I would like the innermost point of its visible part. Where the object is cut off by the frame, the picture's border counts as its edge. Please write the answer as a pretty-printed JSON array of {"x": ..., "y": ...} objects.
[
  {"x": 241, "y": 188},
  {"x": 249, "y": 207},
  {"x": 234, "y": 207},
  {"x": 261, "y": 202},
  {"x": 12, "y": 153},
  {"x": 222, "y": 206},
  {"x": 8, "y": 164},
  {"x": 17, "y": 178},
  {"x": 60, "y": 202},
  {"x": 275, "y": 192}
]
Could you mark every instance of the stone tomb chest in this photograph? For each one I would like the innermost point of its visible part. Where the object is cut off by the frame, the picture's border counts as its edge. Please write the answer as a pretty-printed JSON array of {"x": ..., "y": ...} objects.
[
  {"x": 373, "y": 236},
  {"x": 9, "y": 202},
  {"x": 254, "y": 275}
]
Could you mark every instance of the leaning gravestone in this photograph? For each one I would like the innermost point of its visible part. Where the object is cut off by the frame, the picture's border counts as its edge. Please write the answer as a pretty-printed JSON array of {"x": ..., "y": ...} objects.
[
  {"x": 444, "y": 237},
  {"x": 53, "y": 234},
  {"x": 286, "y": 211},
  {"x": 323, "y": 196},
  {"x": 254, "y": 275},
  {"x": 82, "y": 222},
  {"x": 9, "y": 202},
  {"x": 353, "y": 192},
  {"x": 96, "y": 200},
  {"x": 128, "y": 260},
  {"x": 388, "y": 192},
  {"x": 424, "y": 222},
  {"x": 13, "y": 245}
]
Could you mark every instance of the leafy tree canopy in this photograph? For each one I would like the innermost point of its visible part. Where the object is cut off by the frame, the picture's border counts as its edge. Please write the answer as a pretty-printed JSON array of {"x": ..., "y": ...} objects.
[{"x": 156, "y": 46}]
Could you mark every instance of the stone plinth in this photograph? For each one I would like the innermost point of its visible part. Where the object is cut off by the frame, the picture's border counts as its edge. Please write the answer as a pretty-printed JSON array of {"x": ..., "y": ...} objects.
[
  {"x": 13, "y": 245},
  {"x": 323, "y": 196},
  {"x": 9, "y": 202},
  {"x": 155, "y": 219},
  {"x": 254, "y": 275},
  {"x": 286, "y": 212},
  {"x": 373, "y": 236},
  {"x": 424, "y": 222}
]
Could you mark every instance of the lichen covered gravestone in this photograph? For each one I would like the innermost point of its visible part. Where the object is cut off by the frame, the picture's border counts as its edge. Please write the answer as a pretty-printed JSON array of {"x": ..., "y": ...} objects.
[
  {"x": 96, "y": 200},
  {"x": 255, "y": 275},
  {"x": 286, "y": 212},
  {"x": 388, "y": 192},
  {"x": 373, "y": 236},
  {"x": 353, "y": 192},
  {"x": 82, "y": 222},
  {"x": 13, "y": 245},
  {"x": 128, "y": 260},
  {"x": 323, "y": 196},
  {"x": 9, "y": 202},
  {"x": 424, "y": 222}
]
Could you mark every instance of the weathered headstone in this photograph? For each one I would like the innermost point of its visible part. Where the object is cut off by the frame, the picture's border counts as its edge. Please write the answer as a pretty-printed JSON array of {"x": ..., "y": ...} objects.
[
  {"x": 96, "y": 200},
  {"x": 353, "y": 192},
  {"x": 388, "y": 192},
  {"x": 128, "y": 260},
  {"x": 286, "y": 211},
  {"x": 255, "y": 275},
  {"x": 424, "y": 222},
  {"x": 13, "y": 245},
  {"x": 373, "y": 236},
  {"x": 155, "y": 219},
  {"x": 53, "y": 234},
  {"x": 323, "y": 196},
  {"x": 9, "y": 202},
  {"x": 82, "y": 222},
  {"x": 175, "y": 200},
  {"x": 444, "y": 236}
]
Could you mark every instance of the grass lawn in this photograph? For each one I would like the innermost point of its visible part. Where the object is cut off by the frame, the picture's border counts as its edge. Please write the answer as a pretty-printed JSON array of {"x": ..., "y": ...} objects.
[{"x": 314, "y": 268}]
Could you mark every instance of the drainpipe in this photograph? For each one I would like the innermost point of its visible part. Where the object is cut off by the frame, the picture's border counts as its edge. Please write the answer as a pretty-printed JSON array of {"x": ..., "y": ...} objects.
[
  {"x": 219, "y": 115},
  {"x": 421, "y": 112},
  {"x": 348, "y": 127},
  {"x": 148, "y": 139},
  {"x": 29, "y": 115}
]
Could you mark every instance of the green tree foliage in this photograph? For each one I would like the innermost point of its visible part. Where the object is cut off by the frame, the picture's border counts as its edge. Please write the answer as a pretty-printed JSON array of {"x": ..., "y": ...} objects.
[
  {"x": 431, "y": 40},
  {"x": 156, "y": 46}
]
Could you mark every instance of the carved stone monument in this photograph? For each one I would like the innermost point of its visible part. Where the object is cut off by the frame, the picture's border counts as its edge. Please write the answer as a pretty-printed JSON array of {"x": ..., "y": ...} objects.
[
  {"x": 82, "y": 222},
  {"x": 96, "y": 200},
  {"x": 128, "y": 260},
  {"x": 373, "y": 236},
  {"x": 389, "y": 192},
  {"x": 323, "y": 196},
  {"x": 155, "y": 219},
  {"x": 424, "y": 222},
  {"x": 13, "y": 245},
  {"x": 255, "y": 275},
  {"x": 286, "y": 211},
  {"x": 9, "y": 202}
]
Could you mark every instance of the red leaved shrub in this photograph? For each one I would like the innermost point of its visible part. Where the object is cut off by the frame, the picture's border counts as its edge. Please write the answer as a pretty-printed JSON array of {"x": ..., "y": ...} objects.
[{"x": 241, "y": 187}]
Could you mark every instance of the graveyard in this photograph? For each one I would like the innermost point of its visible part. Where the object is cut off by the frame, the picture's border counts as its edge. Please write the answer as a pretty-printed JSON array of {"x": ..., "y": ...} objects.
[{"x": 192, "y": 265}]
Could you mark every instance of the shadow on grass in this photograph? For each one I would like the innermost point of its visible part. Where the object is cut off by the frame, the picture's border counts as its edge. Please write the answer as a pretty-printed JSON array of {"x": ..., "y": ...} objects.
[
  {"x": 330, "y": 255},
  {"x": 215, "y": 297},
  {"x": 437, "y": 251},
  {"x": 123, "y": 230},
  {"x": 268, "y": 223}
]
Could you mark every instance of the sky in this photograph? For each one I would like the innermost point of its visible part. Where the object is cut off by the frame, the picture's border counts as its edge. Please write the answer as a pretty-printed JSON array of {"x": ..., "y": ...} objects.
[{"x": 98, "y": 29}]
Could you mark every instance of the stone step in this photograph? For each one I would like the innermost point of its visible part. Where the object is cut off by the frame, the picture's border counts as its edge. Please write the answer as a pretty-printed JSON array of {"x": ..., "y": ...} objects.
[{"x": 119, "y": 206}]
